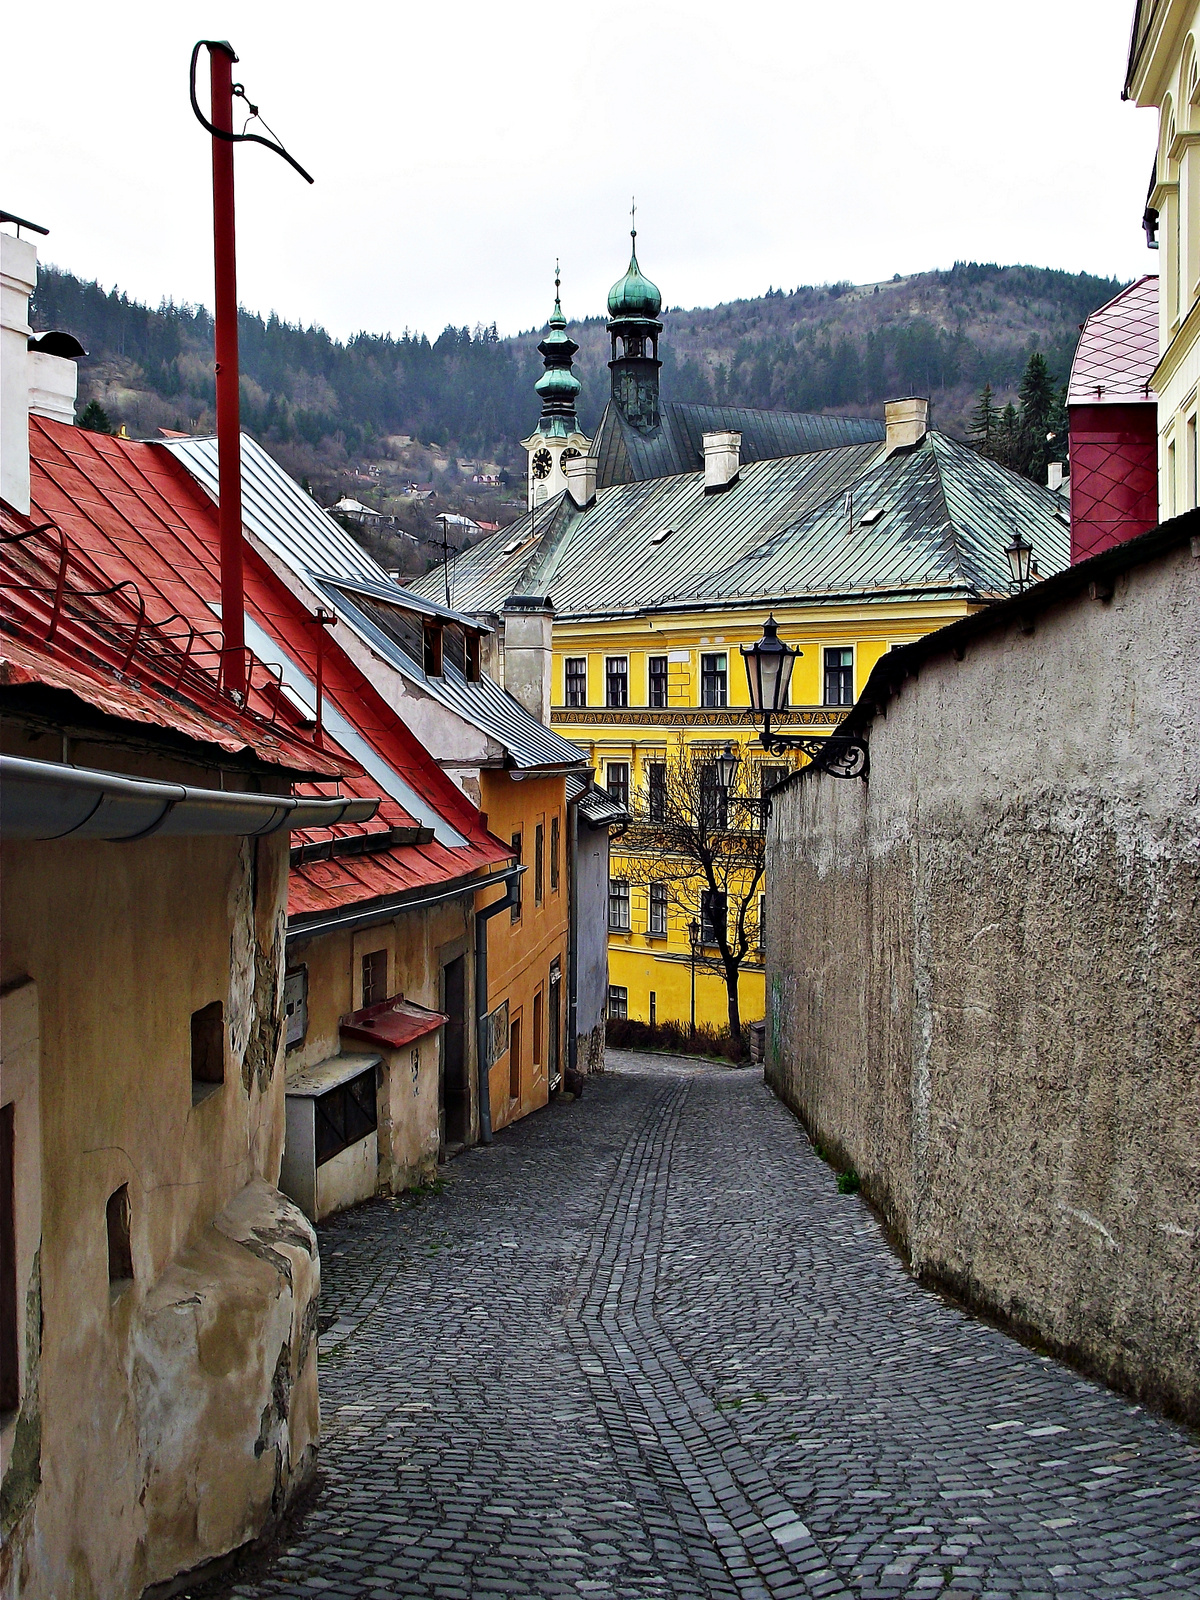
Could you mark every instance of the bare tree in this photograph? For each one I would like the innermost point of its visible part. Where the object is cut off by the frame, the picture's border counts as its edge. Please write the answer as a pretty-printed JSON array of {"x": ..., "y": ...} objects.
[{"x": 696, "y": 847}]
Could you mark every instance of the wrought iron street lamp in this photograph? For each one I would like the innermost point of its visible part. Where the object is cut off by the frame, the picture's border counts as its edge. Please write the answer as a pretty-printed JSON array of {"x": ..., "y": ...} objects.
[
  {"x": 769, "y": 665},
  {"x": 1020, "y": 558},
  {"x": 727, "y": 765},
  {"x": 694, "y": 936}
]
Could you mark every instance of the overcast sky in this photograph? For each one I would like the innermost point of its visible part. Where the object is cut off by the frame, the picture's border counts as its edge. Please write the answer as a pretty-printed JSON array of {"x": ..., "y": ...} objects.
[{"x": 458, "y": 147}]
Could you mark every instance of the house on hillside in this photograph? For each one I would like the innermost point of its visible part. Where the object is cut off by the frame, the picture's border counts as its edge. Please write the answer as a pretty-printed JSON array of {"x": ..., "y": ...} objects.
[
  {"x": 676, "y": 533},
  {"x": 158, "y": 1292}
]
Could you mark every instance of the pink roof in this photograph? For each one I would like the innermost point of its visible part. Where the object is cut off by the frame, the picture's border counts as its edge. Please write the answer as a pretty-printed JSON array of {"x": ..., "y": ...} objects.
[{"x": 1118, "y": 350}]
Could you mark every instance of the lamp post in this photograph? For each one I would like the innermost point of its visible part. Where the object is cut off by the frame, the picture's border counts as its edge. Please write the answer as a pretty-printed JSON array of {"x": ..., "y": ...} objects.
[
  {"x": 1020, "y": 559},
  {"x": 694, "y": 935},
  {"x": 769, "y": 665}
]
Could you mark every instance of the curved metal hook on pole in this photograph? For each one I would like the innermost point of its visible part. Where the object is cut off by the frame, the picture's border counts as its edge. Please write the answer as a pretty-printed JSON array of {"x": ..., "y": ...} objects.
[
  {"x": 223, "y": 133},
  {"x": 225, "y": 320}
]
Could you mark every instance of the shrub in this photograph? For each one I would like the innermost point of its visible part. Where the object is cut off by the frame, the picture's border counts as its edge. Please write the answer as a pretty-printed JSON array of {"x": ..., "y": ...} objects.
[{"x": 677, "y": 1037}]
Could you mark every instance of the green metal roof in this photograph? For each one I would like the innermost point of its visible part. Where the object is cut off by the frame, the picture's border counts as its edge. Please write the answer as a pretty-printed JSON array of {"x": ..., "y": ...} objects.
[
  {"x": 625, "y": 455},
  {"x": 847, "y": 522},
  {"x": 634, "y": 296}
]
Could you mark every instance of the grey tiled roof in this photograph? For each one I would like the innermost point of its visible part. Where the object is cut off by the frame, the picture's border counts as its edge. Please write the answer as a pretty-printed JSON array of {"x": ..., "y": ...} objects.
[
  {"x": 1118, "y": 350},
  {"x": 596, "y": 805},
  {"x": 940, "y": 517},
  {"x": 933, "y": 518},
  {"x": 529, "y": 743},
  {"x": 626, "y": 456},
  {"x": 291, "y": 525}
]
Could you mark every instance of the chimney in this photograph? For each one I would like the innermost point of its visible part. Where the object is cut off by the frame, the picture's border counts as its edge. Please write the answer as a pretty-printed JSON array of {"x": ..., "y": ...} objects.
[
  {"x": 581, "y": 479},
  {"x": 53, "y": 375},
  {"x": 722, "y": 460},
  {"x": 1054, "y": 476},
  {"x": 907, "y": 423},
  {"x": 18, "y": 278},
  {"x": 528, "y": 651}
]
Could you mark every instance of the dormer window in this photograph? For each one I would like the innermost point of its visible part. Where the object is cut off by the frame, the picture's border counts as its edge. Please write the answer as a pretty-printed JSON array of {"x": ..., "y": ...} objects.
[
  {"x": 473, "y": 658},
  {"x": 433, "y": 650}
]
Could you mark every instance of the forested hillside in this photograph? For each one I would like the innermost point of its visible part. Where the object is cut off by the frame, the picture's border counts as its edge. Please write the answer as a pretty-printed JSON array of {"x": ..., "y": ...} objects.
[{"x": 329, "y": 409}]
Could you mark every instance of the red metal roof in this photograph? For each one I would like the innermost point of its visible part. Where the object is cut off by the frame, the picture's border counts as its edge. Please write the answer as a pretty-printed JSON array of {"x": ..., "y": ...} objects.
[
  {"x": 390, "y": 1024},
  {"x": 120, "y": 650},
  {"x": 139, "y": 513},
  {"x": 1118, "y": 349}
]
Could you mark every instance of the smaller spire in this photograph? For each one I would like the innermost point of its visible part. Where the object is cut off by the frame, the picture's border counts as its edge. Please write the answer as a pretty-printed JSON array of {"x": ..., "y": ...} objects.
[{"x": 558, "y": 387}]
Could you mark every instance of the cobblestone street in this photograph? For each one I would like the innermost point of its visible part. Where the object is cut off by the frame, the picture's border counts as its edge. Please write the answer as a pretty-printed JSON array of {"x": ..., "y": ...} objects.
[{"x": 642, "y": 1347}]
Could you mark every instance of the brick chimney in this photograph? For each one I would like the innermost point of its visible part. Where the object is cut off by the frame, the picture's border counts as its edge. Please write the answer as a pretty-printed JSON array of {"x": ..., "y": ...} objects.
[
  {"x": 907, "y": 423},
  {"x": 722, "y": 460}
]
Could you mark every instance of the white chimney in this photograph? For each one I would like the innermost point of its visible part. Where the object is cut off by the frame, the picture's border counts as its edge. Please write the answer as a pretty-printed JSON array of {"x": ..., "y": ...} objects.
[
  {"x": 18, "y": 279},
  {"x": 53, "y": 385},
  {"x": 581, "y": 479},
  {"x": 1054, "y": 476},
  {"x": 907, "y": 423},
  {"x": 528, "y": 651},
  {"x": 722, "y": 460}
]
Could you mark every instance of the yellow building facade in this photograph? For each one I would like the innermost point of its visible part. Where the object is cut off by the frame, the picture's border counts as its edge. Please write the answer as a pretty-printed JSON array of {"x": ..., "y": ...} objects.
[
  {"x": 1164, "y": 72},
  {"x": 679, "y": 528},
  {"x": 650, "y": 971}
]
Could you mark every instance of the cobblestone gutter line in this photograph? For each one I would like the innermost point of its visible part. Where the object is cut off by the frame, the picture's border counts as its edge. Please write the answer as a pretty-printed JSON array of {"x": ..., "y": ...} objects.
[{"x": 649, "y": 1398}]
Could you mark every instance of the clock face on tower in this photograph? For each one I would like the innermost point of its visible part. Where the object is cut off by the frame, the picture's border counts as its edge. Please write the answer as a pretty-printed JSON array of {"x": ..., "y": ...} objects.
[
  {"x": 542, "y": 463},
  {"x": 566, "y": 456}
]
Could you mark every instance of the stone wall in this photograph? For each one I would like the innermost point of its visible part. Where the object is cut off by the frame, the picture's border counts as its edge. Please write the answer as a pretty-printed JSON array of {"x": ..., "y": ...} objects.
[
  {"x": 591, "y": 946},
  {"x": 984, "y": 968}
]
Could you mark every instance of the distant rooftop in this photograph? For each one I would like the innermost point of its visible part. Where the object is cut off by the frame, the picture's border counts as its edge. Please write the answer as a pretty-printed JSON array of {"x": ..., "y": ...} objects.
[{"x": 1118, "y": 350}]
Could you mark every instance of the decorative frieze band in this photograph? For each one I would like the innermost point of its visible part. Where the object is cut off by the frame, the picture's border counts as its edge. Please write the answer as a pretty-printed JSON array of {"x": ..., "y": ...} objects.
[{"x": 694, "y": 717}]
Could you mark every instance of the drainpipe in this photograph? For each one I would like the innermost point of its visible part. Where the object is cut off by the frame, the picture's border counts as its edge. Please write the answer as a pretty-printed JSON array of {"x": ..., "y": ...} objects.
[
  {"x": 573, "y": 939},
  {"x": 482, "y": 918}
]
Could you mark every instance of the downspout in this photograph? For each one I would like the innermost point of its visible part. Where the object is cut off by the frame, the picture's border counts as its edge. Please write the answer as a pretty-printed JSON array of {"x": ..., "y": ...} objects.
[
  {"x": 482, "y": 918},
  {"x": 573, "y": 938}
]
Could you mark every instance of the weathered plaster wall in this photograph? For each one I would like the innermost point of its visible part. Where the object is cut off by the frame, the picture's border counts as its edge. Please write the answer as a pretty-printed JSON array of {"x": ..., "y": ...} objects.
[
  {"x": 591, "y": 941},
  {"x": 173, "y": 1412},
  {"x": 418, "y": 943},
  {"x": 984, "y": 970}
]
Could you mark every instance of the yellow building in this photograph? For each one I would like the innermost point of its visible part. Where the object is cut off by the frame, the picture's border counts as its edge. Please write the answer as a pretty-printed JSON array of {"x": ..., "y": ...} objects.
[
  {"x": 1164, "y": 71},
  {"x": 679, "y": 531}
]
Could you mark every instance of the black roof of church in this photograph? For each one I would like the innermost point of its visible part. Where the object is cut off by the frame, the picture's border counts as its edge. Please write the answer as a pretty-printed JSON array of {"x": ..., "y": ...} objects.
[{"x": 677, "y": 445}]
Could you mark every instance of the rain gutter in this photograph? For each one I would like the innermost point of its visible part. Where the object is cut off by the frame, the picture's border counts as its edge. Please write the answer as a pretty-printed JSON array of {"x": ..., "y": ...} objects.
[
  {"x": 509, "y": 877},
  {"x": 384, "y": 910},
  {"x": 50, "y": 800}
]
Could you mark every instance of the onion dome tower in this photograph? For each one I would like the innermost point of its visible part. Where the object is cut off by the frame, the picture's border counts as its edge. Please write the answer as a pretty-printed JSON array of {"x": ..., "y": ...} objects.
[
  {"x": 557, "y": 436},
  {"x": 633, "y": 307}
]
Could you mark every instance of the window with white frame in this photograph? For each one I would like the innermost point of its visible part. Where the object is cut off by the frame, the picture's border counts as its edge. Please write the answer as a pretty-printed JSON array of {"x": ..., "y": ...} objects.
[
  {"x": 616, "y": 680},
  {"x": 839, "y": 677},
  {"x": 618, "y": 905},
  {"x": 658, "y": 909},
  {"x": 616, "y": 776},
  {"x": 576, "y": 680},
  {"x": 618, "y": 1001},
  {"x": 714, "y": 680}
]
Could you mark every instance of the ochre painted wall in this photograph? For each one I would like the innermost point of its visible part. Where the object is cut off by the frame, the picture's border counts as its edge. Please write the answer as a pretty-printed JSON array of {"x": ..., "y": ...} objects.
[
  {"x": 160, "y": 1445},
  {"x": 520, "y": 952}
]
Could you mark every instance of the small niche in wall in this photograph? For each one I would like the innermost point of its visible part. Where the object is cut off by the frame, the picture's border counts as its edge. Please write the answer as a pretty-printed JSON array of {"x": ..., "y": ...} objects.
[
  {"x": 120, "y": 1254},
  {"x": 208, "y": 1050}
]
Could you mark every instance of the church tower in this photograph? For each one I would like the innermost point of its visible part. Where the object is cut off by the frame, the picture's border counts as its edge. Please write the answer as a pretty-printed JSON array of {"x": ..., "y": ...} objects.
[
  {"x": 633, "y": 307},
  {"x": 557, "y": 436}
]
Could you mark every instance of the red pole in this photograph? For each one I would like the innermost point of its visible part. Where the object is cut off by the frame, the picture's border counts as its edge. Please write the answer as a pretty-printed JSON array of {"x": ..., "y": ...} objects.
[{"x": 229, "y": 440}]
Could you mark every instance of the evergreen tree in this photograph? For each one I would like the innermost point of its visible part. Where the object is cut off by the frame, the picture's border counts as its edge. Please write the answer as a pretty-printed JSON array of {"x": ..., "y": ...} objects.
[
  {"x": 984, "y": 420},
  {"x": 94, "y": 418},
  {"x": 1038, "y": 402}
]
